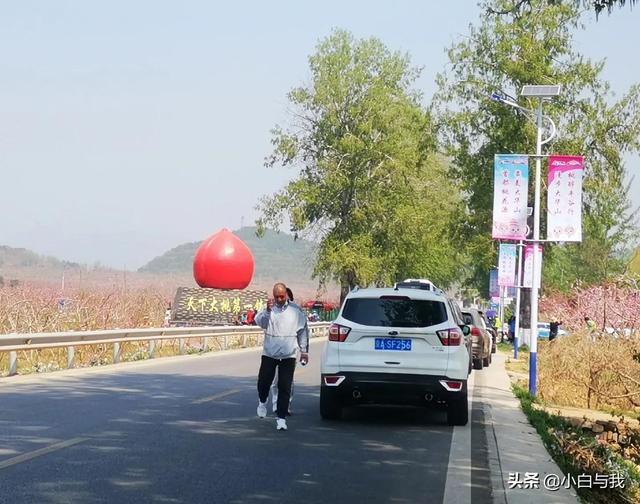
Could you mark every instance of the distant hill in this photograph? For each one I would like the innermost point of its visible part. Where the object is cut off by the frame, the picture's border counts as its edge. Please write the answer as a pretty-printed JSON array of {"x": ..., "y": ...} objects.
[
  {"x": 23, "y": 258},
  {"x": 277, "y": 256}
]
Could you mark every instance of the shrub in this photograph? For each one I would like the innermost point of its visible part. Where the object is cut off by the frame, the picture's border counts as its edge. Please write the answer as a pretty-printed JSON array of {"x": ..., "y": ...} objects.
[{"x": 590, "y": 371}]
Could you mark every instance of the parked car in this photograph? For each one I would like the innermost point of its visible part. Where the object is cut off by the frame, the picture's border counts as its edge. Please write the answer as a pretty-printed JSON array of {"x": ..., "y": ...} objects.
[
  {"x": 544, "y": 329},
  {"x": 481, "y": 339},
  {"x": 493, "y": 331},
  {"x": 397, "y": 346}
]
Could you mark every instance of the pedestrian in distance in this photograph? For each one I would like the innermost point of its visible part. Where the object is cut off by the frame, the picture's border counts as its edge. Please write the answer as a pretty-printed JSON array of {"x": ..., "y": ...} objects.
[
  {"x": 553, "y": 330},
  {"x": 591, "y": 327},
  {"x": 274, "y": 385},
  {"x": 250, "y": 317},
  {"x": 285, "y": 332}
]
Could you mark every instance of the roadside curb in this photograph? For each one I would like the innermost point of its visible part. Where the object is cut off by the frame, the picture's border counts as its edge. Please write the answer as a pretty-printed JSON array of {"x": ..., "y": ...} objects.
[
  {"x": 514, "y": 445},
  {"x": 495, "y": 467}
]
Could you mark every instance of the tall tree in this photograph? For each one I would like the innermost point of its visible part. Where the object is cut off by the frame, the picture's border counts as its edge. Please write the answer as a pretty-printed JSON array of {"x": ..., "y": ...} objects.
[
  {"x": 532, "y": 44},
  {"x": 600, "y": 5},
  {"x": 597, "y": 5},
  {"x": 367, "y": 187}
]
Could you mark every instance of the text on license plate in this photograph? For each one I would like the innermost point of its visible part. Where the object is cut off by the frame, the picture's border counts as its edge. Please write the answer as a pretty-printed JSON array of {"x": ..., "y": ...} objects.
[{"x": 393, "y": 344}]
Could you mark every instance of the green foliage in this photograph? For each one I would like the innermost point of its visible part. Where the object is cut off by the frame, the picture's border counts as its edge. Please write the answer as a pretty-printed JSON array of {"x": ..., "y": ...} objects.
[
  {"x": 531, "y": 43},
  {"x": 597, "y": 5},
  {"x": 370, "y": 188},
  {"x": 633, "y": 267}
]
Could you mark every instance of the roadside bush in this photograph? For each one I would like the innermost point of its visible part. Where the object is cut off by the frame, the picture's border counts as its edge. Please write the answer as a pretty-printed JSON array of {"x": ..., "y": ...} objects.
[
  {"x": 577, "y": 452},
  {"x": 591, "y": 371}
]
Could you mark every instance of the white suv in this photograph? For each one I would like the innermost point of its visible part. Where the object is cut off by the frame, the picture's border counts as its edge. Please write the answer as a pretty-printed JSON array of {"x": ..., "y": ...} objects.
[{"x": 397, "y": 346}]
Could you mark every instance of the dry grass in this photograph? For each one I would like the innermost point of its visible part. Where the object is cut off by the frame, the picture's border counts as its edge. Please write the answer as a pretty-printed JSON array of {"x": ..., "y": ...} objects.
[
  {"x": 519, "y": 365},
  {"x": 601, "y": 373},
  {"x": 28, "y": 309}
]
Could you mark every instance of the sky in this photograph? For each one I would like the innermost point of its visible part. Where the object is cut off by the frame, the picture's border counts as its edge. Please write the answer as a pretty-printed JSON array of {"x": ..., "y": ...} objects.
[{"x": 128, "y": 128}]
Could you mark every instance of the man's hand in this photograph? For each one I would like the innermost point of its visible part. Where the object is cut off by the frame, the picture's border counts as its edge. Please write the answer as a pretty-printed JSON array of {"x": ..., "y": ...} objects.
[
  {"x": 304, "y": 358},
  {"x": 269, "y": 304}
]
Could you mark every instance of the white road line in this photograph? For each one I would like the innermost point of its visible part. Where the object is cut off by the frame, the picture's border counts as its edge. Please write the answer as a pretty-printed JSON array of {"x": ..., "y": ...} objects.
[
  {"x": 226, "y": 393},
  {"x": 42, "y": 451},
  {"x": 457, "y": 487}
]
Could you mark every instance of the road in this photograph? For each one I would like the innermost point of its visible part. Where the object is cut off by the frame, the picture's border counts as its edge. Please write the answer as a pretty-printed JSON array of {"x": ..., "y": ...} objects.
[{"x": 184, "y": 430}]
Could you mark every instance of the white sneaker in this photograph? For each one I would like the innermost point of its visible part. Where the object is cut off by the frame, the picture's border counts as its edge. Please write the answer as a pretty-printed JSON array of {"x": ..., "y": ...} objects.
[
  {"x": 281, "y": 424},
  {"x": 262, "y": 409}
]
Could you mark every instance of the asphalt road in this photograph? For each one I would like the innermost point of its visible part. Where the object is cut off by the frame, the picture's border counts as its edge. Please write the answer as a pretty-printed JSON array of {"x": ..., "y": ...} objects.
[{"x": 184, "y": 430}]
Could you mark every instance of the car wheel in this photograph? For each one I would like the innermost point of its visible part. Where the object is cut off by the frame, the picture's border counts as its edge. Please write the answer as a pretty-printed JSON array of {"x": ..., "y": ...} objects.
[
  {"x": 486, "y": 361},
  {"x": 330, "y": 408},
  {"x": 477, "y": 363},
  {"x": 458, "y": 411}
]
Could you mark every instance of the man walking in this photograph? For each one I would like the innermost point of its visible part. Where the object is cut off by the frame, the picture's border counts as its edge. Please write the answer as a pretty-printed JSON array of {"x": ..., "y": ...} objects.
[
  {"x": 285, "y": 330},
  {"x": 274, "y": 385}
]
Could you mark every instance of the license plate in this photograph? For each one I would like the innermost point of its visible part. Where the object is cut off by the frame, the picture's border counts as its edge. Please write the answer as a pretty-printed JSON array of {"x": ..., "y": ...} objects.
[{"x": 393, "y": 344}]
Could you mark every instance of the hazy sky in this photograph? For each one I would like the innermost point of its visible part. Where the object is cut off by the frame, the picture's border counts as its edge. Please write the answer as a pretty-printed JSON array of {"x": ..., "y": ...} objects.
[{"x": 129, "y": 127}]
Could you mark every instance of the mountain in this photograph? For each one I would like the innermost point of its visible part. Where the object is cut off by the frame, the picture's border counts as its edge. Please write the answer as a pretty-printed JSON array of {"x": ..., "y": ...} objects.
[
  {"x": 23, "y": 258},
  {"x": 277, "y": 256}
]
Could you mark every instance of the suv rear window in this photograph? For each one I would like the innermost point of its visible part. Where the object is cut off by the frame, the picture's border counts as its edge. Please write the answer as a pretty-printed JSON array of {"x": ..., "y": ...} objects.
[
  {"x": 401, "y": 312},
  {"x": 468, "y": 319}
]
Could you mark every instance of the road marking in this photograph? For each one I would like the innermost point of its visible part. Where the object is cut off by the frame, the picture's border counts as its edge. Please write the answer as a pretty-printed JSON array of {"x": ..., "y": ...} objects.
[
  {"x": 218, "y": 396},
  {"x": 457, "y": 487},
  {"x": 221, "y": 395},
  {"x": 42, "y": 451}
]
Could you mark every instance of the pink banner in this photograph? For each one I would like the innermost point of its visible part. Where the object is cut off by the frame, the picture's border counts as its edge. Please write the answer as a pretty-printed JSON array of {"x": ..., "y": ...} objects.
[
  {"x": 564, "y": 198},
  {"x": 528, "y": 267}
]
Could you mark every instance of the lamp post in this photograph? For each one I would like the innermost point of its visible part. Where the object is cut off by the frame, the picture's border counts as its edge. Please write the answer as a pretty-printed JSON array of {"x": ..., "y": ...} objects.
[
  {"x": 516, "y": 329},
  {"x": 541, "y": 93}
]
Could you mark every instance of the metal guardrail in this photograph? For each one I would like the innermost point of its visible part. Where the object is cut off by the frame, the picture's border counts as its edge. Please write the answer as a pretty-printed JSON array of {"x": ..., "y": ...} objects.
[{"x": 13, "y": 343}]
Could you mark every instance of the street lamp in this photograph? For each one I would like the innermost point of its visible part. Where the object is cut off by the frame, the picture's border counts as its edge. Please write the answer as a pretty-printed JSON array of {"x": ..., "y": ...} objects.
[{"x": 542, "y": 93}]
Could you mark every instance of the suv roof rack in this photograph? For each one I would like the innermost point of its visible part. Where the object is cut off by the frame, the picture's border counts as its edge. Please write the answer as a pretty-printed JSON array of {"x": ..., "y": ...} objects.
[{"x": 416, "y": 283}]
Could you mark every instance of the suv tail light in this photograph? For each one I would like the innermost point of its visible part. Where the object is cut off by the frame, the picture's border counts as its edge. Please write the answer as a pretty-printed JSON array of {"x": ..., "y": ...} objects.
[
  {"x": 475, "y": 333},
  {"x": 333, "y": 381},
  {"x": 451, "y": 385},
  {"x": 450, "y": 337},
  {"x": 338, "y": 332}
]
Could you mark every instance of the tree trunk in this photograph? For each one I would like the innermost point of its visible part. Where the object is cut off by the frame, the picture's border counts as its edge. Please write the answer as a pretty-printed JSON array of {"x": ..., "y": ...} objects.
[{"x": 347, "y": 282}]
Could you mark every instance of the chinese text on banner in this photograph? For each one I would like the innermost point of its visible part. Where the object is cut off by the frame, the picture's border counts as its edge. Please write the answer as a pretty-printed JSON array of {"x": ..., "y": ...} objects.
[
  {"x": 511, "y": 181},
  {"x": 564, "y": 198},
  {"x": 528, "y": 266},
  {"x": 507, "y": 265}
]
